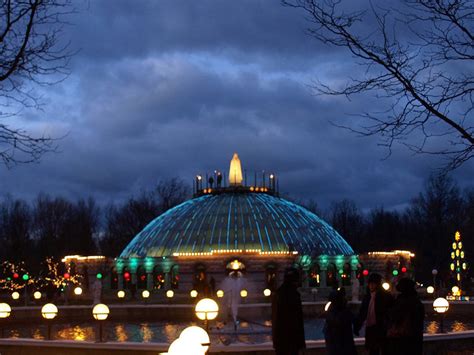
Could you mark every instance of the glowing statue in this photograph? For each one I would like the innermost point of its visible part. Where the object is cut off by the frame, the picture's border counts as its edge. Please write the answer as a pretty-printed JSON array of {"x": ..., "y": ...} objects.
[{"x": 235, "y": 171}]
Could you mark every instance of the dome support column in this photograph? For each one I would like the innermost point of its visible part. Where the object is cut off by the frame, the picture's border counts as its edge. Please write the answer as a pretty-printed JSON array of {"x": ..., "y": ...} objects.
[{"x": 323, "y": 278}]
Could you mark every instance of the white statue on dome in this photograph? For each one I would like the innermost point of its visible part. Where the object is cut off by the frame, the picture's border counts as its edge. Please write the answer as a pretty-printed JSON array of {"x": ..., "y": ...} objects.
[{"x": 235, "y": 171}]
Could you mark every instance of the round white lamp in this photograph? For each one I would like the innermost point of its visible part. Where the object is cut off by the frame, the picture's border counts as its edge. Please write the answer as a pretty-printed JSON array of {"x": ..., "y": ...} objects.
[
  {"x": 49, "y": 311},
  {"x": 170, "y": 293},
  {"x": 196, "y": 335},
  {"x": 78, "y": 291},
  {"x": 121, "y": 294},
  {"x": 37, "y": 295},
  {"x": 220, "y": 293},
  {"x": 15, "y": 295},
  {"x": 386, "y": 286},
  {"x": 193, "y": 293},
  {"x": 145, "y": 294},
  {"x": 441, "y": 306},
  {"x": 100, "y": 312},
  {"x": 243, "y": 293},
  {"x": 430, "y": 290}
]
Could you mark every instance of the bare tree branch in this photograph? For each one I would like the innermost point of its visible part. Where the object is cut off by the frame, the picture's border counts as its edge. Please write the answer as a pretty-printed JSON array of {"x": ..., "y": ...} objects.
[
  {"x": 31, "y": 53},
  {"x": 427, "y": 75}
]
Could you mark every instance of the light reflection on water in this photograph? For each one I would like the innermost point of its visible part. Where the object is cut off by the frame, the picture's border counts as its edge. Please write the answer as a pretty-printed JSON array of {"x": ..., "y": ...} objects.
[{"x": 166, "y": 332}]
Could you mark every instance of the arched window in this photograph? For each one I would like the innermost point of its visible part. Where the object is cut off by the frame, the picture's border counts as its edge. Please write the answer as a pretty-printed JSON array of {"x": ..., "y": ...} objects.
[
  {"x": 141, "y": 278},
  {"x": 346, "y": 275},
  {"x": 271, "y": 276},
  {"x": 331, "y": 276},
  {"x": 200, "y": 283},
  {"x": 127, "y": 278},
  {"x": 314, "y": 275},
  {"x": 113, "y": 279},
  {"x": 159, "y": 277},
  {"x": 174, "y": 276}
]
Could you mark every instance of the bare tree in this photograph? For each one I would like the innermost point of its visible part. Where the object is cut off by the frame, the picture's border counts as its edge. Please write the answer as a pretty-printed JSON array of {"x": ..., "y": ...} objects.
[
  {"x": 418, "y": 55},
  {"x": 31, "y": 53}
]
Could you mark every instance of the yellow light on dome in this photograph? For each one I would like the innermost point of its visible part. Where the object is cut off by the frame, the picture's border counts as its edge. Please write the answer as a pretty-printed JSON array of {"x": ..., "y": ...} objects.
[
  {"x": 193, "y": 293},
  {"x": 206, "y": 309},
  {"x": 454, "y": 246},
  {"x": 251, "y": 188},
  {"x": 452, "y": 267},
  {"x": 455, "y": 290},
  {"x": 235, "y": 265},
  {"x": 457, "y": 252},
  {"x": 453, "y": 255},
  {"x": 464, "y": 266},
  {"x": 460, "y": 245},
  {"x": 462, "y": 255},
  {"x": 220, "y": 293},
  {"x": 235, "y": 171}
]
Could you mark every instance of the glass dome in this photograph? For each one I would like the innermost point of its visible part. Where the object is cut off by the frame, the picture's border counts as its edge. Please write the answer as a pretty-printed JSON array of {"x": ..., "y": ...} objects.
[{"x": 237, "y": 221}]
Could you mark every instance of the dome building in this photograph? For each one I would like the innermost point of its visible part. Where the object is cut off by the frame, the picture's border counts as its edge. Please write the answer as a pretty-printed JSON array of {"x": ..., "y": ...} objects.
[{"x": 231, "y": 226}]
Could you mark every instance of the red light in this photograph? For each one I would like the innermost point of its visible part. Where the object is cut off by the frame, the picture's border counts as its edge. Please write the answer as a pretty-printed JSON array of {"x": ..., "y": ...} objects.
[
  {"x": 126, "y": 275},
  {"x": 143, "y": 277},
  {"x": 67, "y": 276},
  {"x": 365, "y": 272},
  {"x": 15, "y": 275},
  {"x": 404, "y": 269}
]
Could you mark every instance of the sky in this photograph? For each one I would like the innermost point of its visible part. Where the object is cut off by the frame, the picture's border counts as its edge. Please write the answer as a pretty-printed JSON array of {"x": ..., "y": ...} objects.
[{"x": 160, "y": 89}]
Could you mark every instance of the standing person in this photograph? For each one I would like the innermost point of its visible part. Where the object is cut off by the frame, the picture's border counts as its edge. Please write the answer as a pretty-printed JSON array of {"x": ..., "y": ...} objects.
[
  {"x": 405, "y": 331},
  {"x": 287, "y": 316},
  {"x": 374, "y": 314},
  {"x": 338, "y": 326}
]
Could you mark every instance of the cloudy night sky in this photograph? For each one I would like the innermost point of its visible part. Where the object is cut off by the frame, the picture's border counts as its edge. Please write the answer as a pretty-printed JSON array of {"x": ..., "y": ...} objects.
[{"x": 172, "y": 88}]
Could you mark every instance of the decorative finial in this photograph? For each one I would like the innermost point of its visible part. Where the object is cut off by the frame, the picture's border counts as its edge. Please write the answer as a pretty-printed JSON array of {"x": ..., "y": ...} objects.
[{"x": 235, "y": 171}]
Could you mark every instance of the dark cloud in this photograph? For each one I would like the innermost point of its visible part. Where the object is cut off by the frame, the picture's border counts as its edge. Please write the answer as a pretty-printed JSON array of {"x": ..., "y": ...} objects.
[{"x": 174, "y": 88}]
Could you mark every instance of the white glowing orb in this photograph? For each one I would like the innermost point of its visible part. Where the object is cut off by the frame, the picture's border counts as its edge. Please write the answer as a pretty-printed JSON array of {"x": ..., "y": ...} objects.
[
  {"x": 220, "y": 293},
  {"x": 193, "y": 293},
  {"x": 244, "y": 293},
  {"x": 196, "y": 335},
  {"x": 78, "y": 291},
  {"x": 441, "y": 305},
  {"x": 121, "y": 294},
  {"x": 267, "y": 292},
  {"x": 37, "y": 295},
  {"x": 5, "y": 310},
  {"x": 430, "y": 289},
  {"x": 206, "y": 309},
  {"x": 145, "y": 293},
  {"x": 49, "y": 311},
  {"x": 15, "y": 295},
  {"x": 386, "y": 286},
  {"x": 170, "y": 293},
  {"x": 100, "y": 311}
]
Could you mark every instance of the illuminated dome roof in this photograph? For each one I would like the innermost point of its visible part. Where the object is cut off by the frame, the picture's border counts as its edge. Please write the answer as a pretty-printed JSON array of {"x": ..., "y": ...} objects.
[{"x": 237, "y": 220}]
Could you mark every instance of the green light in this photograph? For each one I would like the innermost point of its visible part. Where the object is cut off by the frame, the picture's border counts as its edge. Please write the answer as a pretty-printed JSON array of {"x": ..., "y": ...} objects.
[
  {"x": 341, "y": 272},
  {"x": 25, "y": 277},
  {"x": 9, "y": 278},
  {"x": 99, "y": 275},
  {"x": 395, "y": 272}
]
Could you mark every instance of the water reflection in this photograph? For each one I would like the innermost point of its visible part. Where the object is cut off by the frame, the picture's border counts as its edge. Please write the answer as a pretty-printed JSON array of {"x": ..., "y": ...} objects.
[
  {"x": 76, "y": 332},
  {"x": 146, "y": 332},
  {"x": 458, "y": 326},
  {"x": 120, "y": 332},
  {"x": 432, "y": 327},
  {"x": 38, "y": 334}
]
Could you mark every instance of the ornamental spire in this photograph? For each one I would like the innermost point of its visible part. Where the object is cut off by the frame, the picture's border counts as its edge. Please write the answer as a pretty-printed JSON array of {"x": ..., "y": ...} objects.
[{"x": 235, "y": 171}]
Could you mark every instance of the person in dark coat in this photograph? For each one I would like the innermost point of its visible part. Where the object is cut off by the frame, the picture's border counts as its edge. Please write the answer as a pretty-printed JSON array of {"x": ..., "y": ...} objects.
[
  {"x": 374, "y": 315},
  {"x": 405, "y": 331},
  {"x": 287, "y": 316},
  {"x": 338, "y": 326}
]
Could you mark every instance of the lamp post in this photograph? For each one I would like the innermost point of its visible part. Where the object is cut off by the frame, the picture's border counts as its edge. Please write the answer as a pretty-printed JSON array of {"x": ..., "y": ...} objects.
[
  {"x": 100, "y": 312},
  {"x": 206, "y": 309},
  {"x": 5, "y": 311},
  {"x": 49, "y": 311},
  {"x": 434, "y": 272},
  {"x": 441, "y": 306}
]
